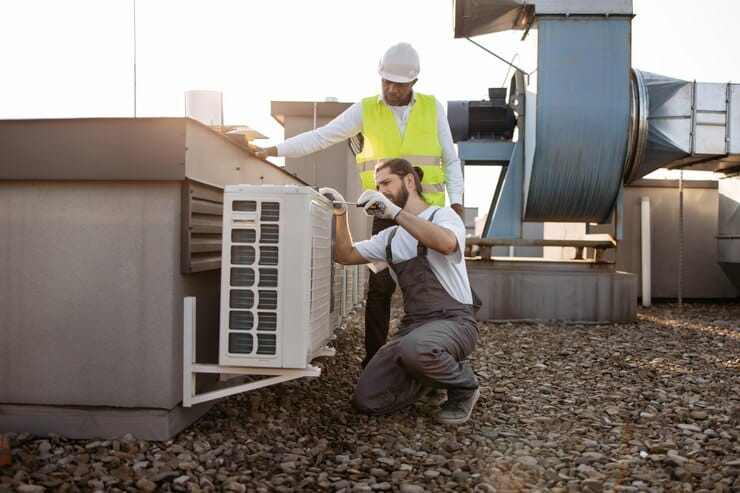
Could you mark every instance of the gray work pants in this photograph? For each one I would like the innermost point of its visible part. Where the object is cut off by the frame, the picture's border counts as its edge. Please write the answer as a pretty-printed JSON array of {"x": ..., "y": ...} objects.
[{"x": 430, "y": 355}]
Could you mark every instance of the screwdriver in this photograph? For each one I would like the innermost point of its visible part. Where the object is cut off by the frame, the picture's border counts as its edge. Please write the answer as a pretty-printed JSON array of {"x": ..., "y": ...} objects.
[{"x": 372, "y": 208}]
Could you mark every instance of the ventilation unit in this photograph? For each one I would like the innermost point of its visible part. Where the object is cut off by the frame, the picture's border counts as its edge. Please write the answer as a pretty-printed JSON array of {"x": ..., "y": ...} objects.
[{"x": 276, "y": 276}]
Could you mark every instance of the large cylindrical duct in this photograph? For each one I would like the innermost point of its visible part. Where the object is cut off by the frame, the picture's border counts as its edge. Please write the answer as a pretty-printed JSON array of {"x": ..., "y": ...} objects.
[
  {"x": 677, "y": 123},
  {"x": 661, "y": 123},
  {"x": 582, "y": 118}
]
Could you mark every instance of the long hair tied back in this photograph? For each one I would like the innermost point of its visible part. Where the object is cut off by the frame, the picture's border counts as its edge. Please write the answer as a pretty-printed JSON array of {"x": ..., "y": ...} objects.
[{"x": 402, "y": 167}]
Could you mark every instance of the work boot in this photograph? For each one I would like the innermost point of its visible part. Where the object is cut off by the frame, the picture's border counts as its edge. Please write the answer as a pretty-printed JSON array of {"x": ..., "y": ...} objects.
[
  {"x": 437, "y": 394},
  {"x": 434, "y": 394},
  {"x": 457, "y": 412}
]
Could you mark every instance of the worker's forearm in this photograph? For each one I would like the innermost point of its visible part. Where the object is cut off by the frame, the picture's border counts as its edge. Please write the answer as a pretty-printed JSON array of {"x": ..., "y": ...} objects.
[
  {"x": 343, "y": 241},
  {"x": 429, "y": 234},
  {"x": 346, "y": 252},
  {"x": 344, "y": 126}
]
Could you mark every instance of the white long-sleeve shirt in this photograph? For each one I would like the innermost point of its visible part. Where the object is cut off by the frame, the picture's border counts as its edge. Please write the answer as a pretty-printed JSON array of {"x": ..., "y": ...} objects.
[{"x": 349, "y": 123}]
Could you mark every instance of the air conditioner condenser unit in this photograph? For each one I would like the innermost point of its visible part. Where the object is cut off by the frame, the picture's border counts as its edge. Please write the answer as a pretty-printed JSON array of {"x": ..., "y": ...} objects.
[{"x": 276, "y": 276}]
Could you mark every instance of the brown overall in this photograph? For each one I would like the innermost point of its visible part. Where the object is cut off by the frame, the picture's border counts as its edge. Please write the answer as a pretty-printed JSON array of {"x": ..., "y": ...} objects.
[{"x": 435, "y": 335}]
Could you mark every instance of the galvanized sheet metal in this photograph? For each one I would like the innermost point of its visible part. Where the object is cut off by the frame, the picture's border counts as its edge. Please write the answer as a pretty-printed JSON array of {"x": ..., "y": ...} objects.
[
  {"x": 733, "y": 102},
  {"x": 664, "y": 129},
  {"x": 680, "y": 123},
  {"x": 583, "y": 113},
  {"x": 728, "y": 228},
  {"x": 710, "y": 118},
  {"x": 473, "y": 17}
]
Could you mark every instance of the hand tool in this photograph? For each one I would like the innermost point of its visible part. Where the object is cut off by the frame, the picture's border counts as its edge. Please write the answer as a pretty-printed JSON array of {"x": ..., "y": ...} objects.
[{"x": 373, "y": 207}]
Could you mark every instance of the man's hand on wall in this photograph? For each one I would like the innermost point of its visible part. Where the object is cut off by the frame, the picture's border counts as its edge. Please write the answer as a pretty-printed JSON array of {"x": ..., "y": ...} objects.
[{"x": 263, "y": 152}]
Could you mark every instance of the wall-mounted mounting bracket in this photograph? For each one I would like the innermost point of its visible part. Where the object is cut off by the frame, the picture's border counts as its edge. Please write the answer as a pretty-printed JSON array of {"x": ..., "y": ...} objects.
[{"x": 190, "y": 368}]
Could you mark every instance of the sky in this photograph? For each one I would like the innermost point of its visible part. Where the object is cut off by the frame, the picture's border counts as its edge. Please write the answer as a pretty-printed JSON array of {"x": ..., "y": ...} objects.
[{"x": 75, "y": 58}]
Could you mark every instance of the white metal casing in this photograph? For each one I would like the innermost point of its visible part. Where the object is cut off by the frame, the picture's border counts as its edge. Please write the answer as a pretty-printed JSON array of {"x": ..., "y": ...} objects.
[{"x": 275, "y": 276}]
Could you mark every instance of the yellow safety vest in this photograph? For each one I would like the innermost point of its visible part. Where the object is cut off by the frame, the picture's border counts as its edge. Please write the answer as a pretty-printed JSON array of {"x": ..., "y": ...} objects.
[{"x": 420, "y": 146}]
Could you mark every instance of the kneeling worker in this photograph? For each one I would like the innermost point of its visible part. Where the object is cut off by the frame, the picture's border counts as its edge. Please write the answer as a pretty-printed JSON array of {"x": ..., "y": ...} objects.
[{"x": 438, "y": 329}]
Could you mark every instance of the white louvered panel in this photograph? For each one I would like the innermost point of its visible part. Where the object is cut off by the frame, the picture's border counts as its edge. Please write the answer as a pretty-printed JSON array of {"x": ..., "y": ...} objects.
[{"x": 276, "y": 276}]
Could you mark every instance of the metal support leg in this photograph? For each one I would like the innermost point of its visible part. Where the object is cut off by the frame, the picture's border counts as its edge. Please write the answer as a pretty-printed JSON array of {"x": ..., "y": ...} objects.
[{"x": 190, "y": 367}]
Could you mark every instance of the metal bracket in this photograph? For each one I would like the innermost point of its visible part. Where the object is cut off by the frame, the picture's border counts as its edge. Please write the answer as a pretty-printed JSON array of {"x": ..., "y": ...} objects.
[
  {"x": 327, "y": 351},
  {"x": 190, "y": 368}
]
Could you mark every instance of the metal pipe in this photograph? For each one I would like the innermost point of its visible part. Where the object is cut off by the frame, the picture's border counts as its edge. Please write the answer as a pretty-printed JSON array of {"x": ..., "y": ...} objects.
[
  {"x": 680, "y": 239},
  {"x": 645, "y": 250},
  {"x": 313, "y": 158},
  {"x": 134, "y": 58},
  {"x": 500, "y": 58}
]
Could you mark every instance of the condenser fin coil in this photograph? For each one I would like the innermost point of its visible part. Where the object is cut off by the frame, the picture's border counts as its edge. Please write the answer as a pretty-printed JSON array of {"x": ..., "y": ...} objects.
[{"x": 276, "y": 276}]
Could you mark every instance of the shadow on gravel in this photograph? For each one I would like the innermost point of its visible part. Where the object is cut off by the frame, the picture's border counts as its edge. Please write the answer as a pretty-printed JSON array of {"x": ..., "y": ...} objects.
[{"x": 647, "y": 406}]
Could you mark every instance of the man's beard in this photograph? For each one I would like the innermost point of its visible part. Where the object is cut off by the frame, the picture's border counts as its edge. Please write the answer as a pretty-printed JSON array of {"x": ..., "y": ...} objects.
[{"x": 401, "y": 198}]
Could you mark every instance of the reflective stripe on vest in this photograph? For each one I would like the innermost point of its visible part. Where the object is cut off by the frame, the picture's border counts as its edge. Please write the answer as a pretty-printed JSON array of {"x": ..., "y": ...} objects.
[{"x": 420, "y": 145}]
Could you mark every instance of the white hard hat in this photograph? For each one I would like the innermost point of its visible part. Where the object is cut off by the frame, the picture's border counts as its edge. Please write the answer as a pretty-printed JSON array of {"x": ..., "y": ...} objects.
[{"x": 399, "y": 64}]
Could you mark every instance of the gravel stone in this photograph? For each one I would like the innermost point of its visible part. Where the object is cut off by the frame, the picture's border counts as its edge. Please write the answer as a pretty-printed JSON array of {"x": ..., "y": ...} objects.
[
  {"x": 411, "y": 488},
  {"x": 235, "y": 487},
  {"x": 181, "y": 480},
  {"x": 646, "y": 406},
  {"x": 459, "y": 475},
  {"x": 30, "y": 488},
  {"x": 146, "y": 485},
  {"x": 384, "y": 486}
]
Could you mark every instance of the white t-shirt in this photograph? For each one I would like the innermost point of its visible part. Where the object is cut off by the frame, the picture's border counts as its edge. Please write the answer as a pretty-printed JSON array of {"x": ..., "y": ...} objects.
[{"x": 449, "y": 269}]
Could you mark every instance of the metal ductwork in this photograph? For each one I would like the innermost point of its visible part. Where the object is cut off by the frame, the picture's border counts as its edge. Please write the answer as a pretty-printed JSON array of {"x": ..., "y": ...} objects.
[
  {"x": 682, "y": 124},
  {"x": 677, "y": 123},
  {"x": 589, "y": 123},
  {"x": 474, "y": 17},
  {"x": 582, "y": 99}
]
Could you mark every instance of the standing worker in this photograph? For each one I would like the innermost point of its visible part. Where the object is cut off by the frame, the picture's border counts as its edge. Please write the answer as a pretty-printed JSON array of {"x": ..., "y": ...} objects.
[
  {"x": 397, "y": 123},
  {"x": 438, "y": 329}
]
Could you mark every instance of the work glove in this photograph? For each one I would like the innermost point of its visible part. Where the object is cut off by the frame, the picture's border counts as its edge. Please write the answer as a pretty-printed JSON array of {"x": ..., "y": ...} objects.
[
  {"x": 262, "y": 153},
  {"x": 378, "y": 205},
  {"x": 340, "y": 207}
]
